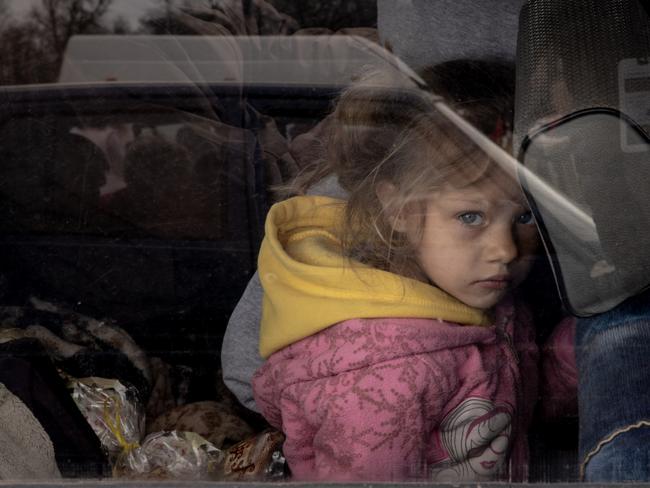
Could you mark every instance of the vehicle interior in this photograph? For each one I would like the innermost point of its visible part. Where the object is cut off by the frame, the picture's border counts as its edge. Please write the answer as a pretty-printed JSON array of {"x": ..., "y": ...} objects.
[{"x": 138, "y": 166}]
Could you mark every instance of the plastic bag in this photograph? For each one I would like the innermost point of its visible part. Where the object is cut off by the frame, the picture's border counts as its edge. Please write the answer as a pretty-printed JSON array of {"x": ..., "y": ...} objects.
[
  {"x": 112, "y": 410},
  {"x": 171, "y": 455}
]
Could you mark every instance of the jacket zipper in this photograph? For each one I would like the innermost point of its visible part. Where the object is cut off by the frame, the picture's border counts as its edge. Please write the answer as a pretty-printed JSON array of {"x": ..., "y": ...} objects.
[
  {"x": 507, "y": 338},
  {"x": 503, "y": 335}
]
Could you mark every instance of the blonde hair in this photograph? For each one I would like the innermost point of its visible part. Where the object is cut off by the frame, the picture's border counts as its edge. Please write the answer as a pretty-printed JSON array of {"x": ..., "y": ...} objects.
[{"x": 386, "y": 129}]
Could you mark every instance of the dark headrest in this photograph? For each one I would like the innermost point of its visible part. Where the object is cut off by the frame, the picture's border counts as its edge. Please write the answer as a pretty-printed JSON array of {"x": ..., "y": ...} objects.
[{"x": 582, "y": 114}]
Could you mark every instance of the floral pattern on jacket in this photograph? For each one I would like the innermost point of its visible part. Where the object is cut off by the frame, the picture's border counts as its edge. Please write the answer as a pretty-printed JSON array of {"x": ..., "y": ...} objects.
[{"x": 389, "y": 398}]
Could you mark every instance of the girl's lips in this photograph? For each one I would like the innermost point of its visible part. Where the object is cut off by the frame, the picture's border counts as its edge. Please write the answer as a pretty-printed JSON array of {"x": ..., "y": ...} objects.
[{"x": 495, "y": 283}]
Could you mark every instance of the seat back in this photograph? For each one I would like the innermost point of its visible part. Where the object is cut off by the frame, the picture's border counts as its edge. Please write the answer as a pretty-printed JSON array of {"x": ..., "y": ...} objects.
[{"x": 582, "y": 115}]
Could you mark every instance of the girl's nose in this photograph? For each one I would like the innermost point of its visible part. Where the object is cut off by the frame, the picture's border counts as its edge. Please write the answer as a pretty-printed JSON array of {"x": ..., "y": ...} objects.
[{"x": 502, "y": 245}]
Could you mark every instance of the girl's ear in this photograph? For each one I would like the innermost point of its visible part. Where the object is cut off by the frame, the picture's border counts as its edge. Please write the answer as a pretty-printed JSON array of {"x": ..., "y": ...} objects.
[{"x": 387, "y": 195}]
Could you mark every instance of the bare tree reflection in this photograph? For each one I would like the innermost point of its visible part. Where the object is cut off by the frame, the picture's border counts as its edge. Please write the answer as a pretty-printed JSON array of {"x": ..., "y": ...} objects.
[
  {"x": 32, "y": 48},
  {"x": 59, "y": 20}
]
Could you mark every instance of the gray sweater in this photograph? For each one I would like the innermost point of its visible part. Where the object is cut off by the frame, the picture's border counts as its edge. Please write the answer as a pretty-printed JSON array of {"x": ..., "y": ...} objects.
[
  {"x": 240, "y": 355},
  {"x": 422, "y": 33}
]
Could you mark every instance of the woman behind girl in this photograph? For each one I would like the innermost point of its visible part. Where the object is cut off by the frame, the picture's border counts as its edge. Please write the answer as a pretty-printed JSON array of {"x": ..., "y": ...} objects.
[{"x": 396, "y": 348}]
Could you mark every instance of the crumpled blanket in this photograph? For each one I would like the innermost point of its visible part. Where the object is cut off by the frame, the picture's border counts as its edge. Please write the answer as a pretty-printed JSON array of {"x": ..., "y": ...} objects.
[{"x": 81, "y": 346}]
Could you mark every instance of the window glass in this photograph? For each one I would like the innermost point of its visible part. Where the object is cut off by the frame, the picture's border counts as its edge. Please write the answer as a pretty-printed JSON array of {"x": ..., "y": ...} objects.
[{"x": 323, "y": 241}]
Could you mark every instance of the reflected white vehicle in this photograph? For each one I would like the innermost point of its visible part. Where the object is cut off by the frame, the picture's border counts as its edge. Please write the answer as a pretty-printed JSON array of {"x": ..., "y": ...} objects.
[{"x": 291, "y": 61}]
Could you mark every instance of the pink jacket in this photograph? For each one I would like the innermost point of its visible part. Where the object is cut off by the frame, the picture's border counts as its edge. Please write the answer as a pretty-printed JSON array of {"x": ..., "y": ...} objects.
[
  {"x": 405, "y": 399},
  {"x": 559, "y": 375}
]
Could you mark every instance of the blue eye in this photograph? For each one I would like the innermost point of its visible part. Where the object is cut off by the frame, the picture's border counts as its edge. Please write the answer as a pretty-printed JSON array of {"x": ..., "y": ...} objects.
[
  {"x": 526, "y": 218},
  {"x": 471, "y": 218}
]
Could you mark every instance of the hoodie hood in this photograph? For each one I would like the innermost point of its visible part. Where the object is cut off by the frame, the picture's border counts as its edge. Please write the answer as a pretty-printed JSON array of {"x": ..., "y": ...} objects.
[{"x": 309, "y": 285}]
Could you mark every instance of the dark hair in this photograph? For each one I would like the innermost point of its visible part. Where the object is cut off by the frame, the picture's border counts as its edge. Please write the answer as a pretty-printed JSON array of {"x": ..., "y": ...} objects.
[{"x": 482, "y": 91}]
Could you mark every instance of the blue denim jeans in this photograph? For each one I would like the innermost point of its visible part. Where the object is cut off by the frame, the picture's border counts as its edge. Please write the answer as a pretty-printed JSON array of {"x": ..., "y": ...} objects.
[{"x": 613, "y": 357}]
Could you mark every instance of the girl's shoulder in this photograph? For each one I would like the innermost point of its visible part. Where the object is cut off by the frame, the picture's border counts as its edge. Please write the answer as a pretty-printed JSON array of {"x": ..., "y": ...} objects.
[{"x": 364, "y": 341}]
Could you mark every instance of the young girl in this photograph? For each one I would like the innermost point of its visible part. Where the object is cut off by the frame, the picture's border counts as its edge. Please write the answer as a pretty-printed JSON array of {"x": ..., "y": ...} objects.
[{"x": 395, "y": 348}]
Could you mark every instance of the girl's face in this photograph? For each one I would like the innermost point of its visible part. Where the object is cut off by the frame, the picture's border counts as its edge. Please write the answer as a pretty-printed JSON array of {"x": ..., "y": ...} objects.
[{"x": 478, "y": 242}]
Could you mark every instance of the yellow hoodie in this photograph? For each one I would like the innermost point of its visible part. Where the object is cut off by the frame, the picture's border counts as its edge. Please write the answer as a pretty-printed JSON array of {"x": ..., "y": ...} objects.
[{"x": 309, "y": 286}]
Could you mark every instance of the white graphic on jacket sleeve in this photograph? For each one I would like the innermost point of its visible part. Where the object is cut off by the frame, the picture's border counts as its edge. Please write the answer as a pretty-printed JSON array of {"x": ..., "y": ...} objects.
[{"x": 476, "y": 435}]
